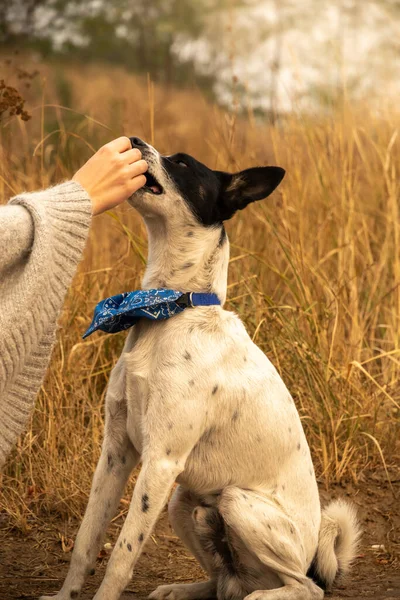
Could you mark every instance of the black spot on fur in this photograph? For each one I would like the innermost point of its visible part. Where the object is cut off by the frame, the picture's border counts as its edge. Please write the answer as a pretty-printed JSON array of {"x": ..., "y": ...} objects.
[
  {"x": 222, "y": 237},
  {"x": 244, "y": 358},
  {"x": 141, "y": 537},
  {"x": 207, "y": 435},
  {"x": 269, "y": 527},
  {"x": 123, "y": 460},
  {"x": 187, "y": 355},
  {"x": 187, "y": 265},
  {"x": 129, "y": 547},
  {"x": 191, "y": 426},
  {"x": 235, "y": 416},
  {"x": 74, "y": 593},
  {"x": 168, "y": 452},
  {"x": 216, "y": 539},
  {"x": 145, "y": 503},
  {"x": 196, "y": 449},
  {"x": 298, "y": 446},
  {"x": 313, "y": 574},
  {"x": 190, "y": 234},
  {"x": 110, "y": 461},
  {"x": 191, "y": 382},
  {"x": 91, "y": 572},
  {"x": 120, "y": 544},
  {"x": 215, "y": 389}
]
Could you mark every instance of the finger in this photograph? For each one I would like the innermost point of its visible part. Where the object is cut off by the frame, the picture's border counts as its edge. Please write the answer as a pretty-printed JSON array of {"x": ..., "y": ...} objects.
[
  {"x": 137, "y": 168},
  {"x": 120, "y": 144},
  {"x": 131, "y": 156},
  {"x": 136, "y": 183}
]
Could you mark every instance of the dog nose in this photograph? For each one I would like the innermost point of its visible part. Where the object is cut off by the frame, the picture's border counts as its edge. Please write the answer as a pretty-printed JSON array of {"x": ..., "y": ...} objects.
[{"x": 137, "y": 142}]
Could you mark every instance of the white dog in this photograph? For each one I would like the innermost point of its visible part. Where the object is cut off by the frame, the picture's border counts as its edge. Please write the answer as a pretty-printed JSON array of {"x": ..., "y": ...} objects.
[{"x": 198, "y": 403}]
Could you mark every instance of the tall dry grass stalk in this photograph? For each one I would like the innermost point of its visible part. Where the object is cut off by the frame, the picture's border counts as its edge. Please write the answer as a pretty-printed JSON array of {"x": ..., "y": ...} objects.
[{"x": 314, "y": 273}]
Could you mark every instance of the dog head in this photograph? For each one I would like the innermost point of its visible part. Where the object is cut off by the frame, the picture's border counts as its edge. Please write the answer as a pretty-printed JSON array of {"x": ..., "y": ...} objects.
[{"x": 180, "y": 185}]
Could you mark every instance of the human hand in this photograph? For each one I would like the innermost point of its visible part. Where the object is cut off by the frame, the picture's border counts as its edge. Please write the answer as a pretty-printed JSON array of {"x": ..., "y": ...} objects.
[{"x": 112, "y": 175}]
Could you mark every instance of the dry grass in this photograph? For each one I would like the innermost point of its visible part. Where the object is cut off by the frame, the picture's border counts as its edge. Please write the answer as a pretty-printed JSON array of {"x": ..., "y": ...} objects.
[{"x": 315, "y": 270}]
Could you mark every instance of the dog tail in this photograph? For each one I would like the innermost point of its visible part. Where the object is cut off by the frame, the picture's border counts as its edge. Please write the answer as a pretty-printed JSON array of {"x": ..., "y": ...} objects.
[{"x": 339, "y": 537}]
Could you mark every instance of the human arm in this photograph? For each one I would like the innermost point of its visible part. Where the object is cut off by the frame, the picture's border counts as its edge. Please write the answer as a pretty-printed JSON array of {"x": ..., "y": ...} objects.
[{"x": 42, "y": 238}]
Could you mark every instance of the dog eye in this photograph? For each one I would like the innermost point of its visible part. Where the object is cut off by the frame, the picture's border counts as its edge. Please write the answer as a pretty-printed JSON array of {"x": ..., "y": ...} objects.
[{"x": 182, "y": 164}]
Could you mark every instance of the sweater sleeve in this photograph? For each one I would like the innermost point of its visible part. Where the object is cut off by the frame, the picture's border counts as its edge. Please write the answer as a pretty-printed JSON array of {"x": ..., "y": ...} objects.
[
  {"x": 16, "y": 235},
  {"x": 42, "y": 238}
]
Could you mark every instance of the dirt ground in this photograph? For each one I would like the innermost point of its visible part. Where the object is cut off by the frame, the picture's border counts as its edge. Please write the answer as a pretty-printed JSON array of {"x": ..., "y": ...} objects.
[{"x": 35, "y": 564}]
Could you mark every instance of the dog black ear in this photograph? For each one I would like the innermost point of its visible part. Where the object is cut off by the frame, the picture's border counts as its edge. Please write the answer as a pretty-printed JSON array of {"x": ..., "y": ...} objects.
[{"x": 239, "y": 189}]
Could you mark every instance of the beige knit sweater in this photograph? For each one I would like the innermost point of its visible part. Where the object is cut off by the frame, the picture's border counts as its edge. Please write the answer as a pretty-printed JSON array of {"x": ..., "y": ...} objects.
[{"x": 42, "y": 237}]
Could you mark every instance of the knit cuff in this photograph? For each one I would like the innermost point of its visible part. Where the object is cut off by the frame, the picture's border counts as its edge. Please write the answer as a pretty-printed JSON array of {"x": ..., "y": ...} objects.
[{"x": 68, "y": 203}]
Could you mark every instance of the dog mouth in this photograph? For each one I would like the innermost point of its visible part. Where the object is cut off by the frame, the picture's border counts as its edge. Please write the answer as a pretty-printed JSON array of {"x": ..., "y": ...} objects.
[{"x": 152, "y": 185}]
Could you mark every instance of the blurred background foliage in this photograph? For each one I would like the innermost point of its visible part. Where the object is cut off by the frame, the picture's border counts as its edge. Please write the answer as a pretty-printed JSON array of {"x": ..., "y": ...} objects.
[{"x": 276, "y": 54}]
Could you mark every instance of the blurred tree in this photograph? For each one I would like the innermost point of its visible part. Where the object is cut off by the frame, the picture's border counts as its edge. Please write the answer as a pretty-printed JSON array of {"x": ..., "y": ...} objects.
[
  {"x": 140, "y": 35},
  {"x": 17, "y": 18},
  {"x": 289, "y": 53},
  {"x": 144, "y": 36},
  {"x": 271, "y": 52}
]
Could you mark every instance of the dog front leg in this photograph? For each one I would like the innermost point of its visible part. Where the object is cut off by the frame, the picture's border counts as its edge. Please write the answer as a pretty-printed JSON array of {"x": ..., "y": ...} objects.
[
  {"x": 118, "y": 458},
  {"x": 149, "y": 497}
]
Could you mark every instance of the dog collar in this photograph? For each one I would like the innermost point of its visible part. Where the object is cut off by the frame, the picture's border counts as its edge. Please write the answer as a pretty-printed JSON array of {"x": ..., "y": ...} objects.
[{"x": 122, "y": 311}]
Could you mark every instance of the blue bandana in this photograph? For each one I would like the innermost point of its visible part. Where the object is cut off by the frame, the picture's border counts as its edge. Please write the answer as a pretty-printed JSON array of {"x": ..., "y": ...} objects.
[{"x": 124, "y": 310}]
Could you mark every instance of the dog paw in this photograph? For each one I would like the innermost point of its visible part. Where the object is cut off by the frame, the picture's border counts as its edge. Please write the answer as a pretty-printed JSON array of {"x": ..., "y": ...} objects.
[
  {"x": 163, "y": 592},
  {"x": 185, "y": 591},
  {"x": 258, "y": 595},
  {"x": 169, "y": 592}
]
